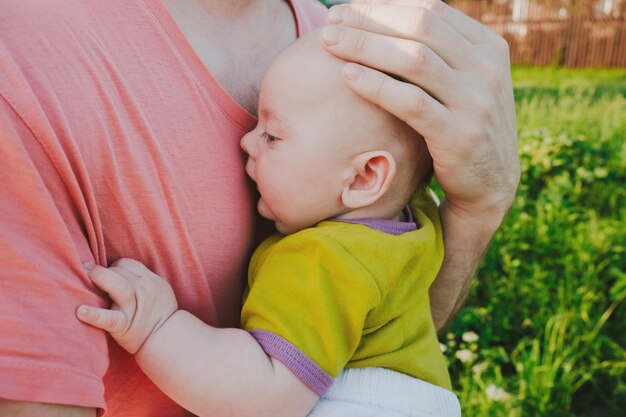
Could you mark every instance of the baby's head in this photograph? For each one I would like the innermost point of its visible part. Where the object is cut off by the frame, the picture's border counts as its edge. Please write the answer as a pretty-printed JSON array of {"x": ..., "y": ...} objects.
[{"x": 320, "y": 151}]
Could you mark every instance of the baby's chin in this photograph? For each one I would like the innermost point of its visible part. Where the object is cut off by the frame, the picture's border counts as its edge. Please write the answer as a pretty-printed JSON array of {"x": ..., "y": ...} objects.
[
  {"x": 283, "y": 228},
  {"x": 294, "y": 226},
  {"x": 264, "y": 210}
]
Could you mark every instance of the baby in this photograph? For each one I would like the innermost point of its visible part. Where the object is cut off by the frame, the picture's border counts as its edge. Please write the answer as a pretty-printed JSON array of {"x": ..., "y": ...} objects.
[{"x": 336, "y": 317}]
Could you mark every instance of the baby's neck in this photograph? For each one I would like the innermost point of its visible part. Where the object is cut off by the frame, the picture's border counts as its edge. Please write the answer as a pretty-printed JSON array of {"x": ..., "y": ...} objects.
[{"x": 375, "y": 213}]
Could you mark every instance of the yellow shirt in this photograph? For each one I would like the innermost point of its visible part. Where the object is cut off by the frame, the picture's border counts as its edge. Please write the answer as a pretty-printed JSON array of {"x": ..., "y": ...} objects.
[{"x": 349, "y": 296}]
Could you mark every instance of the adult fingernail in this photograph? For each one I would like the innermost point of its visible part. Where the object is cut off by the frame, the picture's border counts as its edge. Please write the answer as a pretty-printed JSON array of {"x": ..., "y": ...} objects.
[
  {"x": 352, "y": 71},
  {"x": 337, "y": 14},
  {"x": 88, "y": 265},
  {"x": 332, "y": 35}
]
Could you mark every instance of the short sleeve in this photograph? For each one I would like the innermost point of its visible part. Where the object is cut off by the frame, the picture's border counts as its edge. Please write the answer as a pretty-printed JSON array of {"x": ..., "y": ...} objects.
[
  {"x": 46, "y": 354},
  {"x": 307, "y": 305}
]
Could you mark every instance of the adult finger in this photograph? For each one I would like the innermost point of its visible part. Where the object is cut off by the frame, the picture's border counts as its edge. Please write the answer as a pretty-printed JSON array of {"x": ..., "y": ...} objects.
[
  {"x": 411, "y": 23},
  {"x": 406, "y": 101},
  {"x": 113, "y": 321},
  {"x": 471, "y": 30},
  {"x": 116, "y": 285},
  {"x": 413, "y": 61}
]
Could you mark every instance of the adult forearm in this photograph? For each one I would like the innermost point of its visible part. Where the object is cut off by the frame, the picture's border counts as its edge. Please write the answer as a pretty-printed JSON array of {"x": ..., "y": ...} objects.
[
  {"x": 223, "y": 372},
  {"x": 466, "y": 238}
]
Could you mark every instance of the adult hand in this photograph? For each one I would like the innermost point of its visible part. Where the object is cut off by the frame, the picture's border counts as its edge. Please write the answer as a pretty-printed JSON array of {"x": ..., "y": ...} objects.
[
  {"x": 452, "y": 84},
  {"x": 142, "y": 302}
]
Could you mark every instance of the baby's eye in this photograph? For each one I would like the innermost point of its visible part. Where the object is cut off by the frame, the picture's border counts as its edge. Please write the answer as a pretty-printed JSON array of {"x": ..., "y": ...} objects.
[{"x": 269, "y": 138}]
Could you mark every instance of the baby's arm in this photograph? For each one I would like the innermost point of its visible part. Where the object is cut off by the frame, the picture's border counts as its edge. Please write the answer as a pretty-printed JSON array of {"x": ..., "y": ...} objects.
[{"x": 208, "y": 371}]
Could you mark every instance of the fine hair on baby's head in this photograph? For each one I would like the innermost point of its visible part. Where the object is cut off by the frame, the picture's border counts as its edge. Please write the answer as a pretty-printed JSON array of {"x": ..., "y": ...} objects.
[{"x": 314, "y": 76}]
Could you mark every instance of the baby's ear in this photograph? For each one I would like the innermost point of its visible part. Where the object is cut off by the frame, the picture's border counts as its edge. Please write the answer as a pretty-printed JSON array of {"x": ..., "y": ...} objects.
[{"x": 372, "y": 175}]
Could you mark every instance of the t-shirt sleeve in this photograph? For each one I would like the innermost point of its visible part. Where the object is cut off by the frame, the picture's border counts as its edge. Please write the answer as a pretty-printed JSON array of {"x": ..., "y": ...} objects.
[
  {"x": 307, "y": 304},
  {"x": 46, "y": 354}
]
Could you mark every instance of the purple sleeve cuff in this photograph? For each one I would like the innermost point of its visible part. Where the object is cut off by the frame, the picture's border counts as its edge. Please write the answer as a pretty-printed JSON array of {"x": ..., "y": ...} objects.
[{"x": 297, "y": 362}]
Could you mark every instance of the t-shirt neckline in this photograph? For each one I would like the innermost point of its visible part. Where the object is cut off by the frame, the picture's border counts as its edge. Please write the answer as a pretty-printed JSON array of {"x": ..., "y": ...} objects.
[
  {"x": 213, "y": 88},
  {"x": 391, "y": 227}
]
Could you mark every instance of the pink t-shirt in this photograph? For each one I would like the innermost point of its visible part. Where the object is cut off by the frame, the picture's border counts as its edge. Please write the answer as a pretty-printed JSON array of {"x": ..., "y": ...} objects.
[{"x": 115, "y": 141}]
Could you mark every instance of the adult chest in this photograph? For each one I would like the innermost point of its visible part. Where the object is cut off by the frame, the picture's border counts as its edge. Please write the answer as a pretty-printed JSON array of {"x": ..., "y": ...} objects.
[{"x": 156, "y": 154}]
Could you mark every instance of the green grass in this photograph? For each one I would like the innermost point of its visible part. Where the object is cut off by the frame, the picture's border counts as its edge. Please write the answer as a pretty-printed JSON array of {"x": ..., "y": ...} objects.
[
  {"x": 524, "y": 77},
  {"x": 548, "y": 303}
]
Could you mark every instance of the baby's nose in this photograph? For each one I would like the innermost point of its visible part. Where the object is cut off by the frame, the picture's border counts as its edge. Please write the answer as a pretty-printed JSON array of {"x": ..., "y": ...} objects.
[{"x": 246, "y": 143}]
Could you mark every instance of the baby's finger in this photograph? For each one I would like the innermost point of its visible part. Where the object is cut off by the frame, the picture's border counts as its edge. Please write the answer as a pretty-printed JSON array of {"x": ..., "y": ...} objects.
[
  {"x": 113, "y": 321},
  {"x": 118, "y": 287},
  {"x": 132, "y": 266}
]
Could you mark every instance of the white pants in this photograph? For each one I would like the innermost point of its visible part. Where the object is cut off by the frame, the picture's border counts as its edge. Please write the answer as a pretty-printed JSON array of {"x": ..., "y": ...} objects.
[{"x": 377, "y": 392}]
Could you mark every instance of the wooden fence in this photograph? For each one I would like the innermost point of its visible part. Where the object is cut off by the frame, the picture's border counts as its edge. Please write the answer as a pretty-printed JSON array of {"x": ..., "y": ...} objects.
[{"x": 538, "y": 35}]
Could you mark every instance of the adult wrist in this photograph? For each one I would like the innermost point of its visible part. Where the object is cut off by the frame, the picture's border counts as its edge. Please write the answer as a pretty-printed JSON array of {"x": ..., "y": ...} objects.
[{"x": 478, "y": 223}]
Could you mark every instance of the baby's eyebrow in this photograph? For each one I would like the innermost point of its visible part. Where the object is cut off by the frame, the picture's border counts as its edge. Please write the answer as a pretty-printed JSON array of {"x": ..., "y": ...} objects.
[
  {"x": 273, "y": 118},
  {"x": 268, "y": 114}
]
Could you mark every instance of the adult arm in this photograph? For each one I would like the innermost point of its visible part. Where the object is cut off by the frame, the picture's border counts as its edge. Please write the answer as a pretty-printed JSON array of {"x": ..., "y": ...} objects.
[{"x": 452, "y": 84}]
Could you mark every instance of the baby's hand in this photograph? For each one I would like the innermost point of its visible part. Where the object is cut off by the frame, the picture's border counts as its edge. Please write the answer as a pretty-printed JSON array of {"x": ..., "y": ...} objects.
[{"x": 142, "y": 302}]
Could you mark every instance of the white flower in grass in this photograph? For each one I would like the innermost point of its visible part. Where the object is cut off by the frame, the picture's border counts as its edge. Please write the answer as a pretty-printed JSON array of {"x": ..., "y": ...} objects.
[
  {"x": 443, "y": 347},
  {"x": 469, "y": 337},
  {"x": 464, "y": 355},
  {"x": 496, "y": 393},
  {"x": 479, "y": 368}
]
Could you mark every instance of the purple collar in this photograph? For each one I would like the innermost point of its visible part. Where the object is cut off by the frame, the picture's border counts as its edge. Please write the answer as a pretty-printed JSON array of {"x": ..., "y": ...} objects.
[{"x": 391, "y": 227}]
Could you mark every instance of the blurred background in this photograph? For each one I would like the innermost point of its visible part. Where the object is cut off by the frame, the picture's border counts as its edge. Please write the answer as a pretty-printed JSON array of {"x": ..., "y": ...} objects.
[{"x": 543, "y": 332}]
